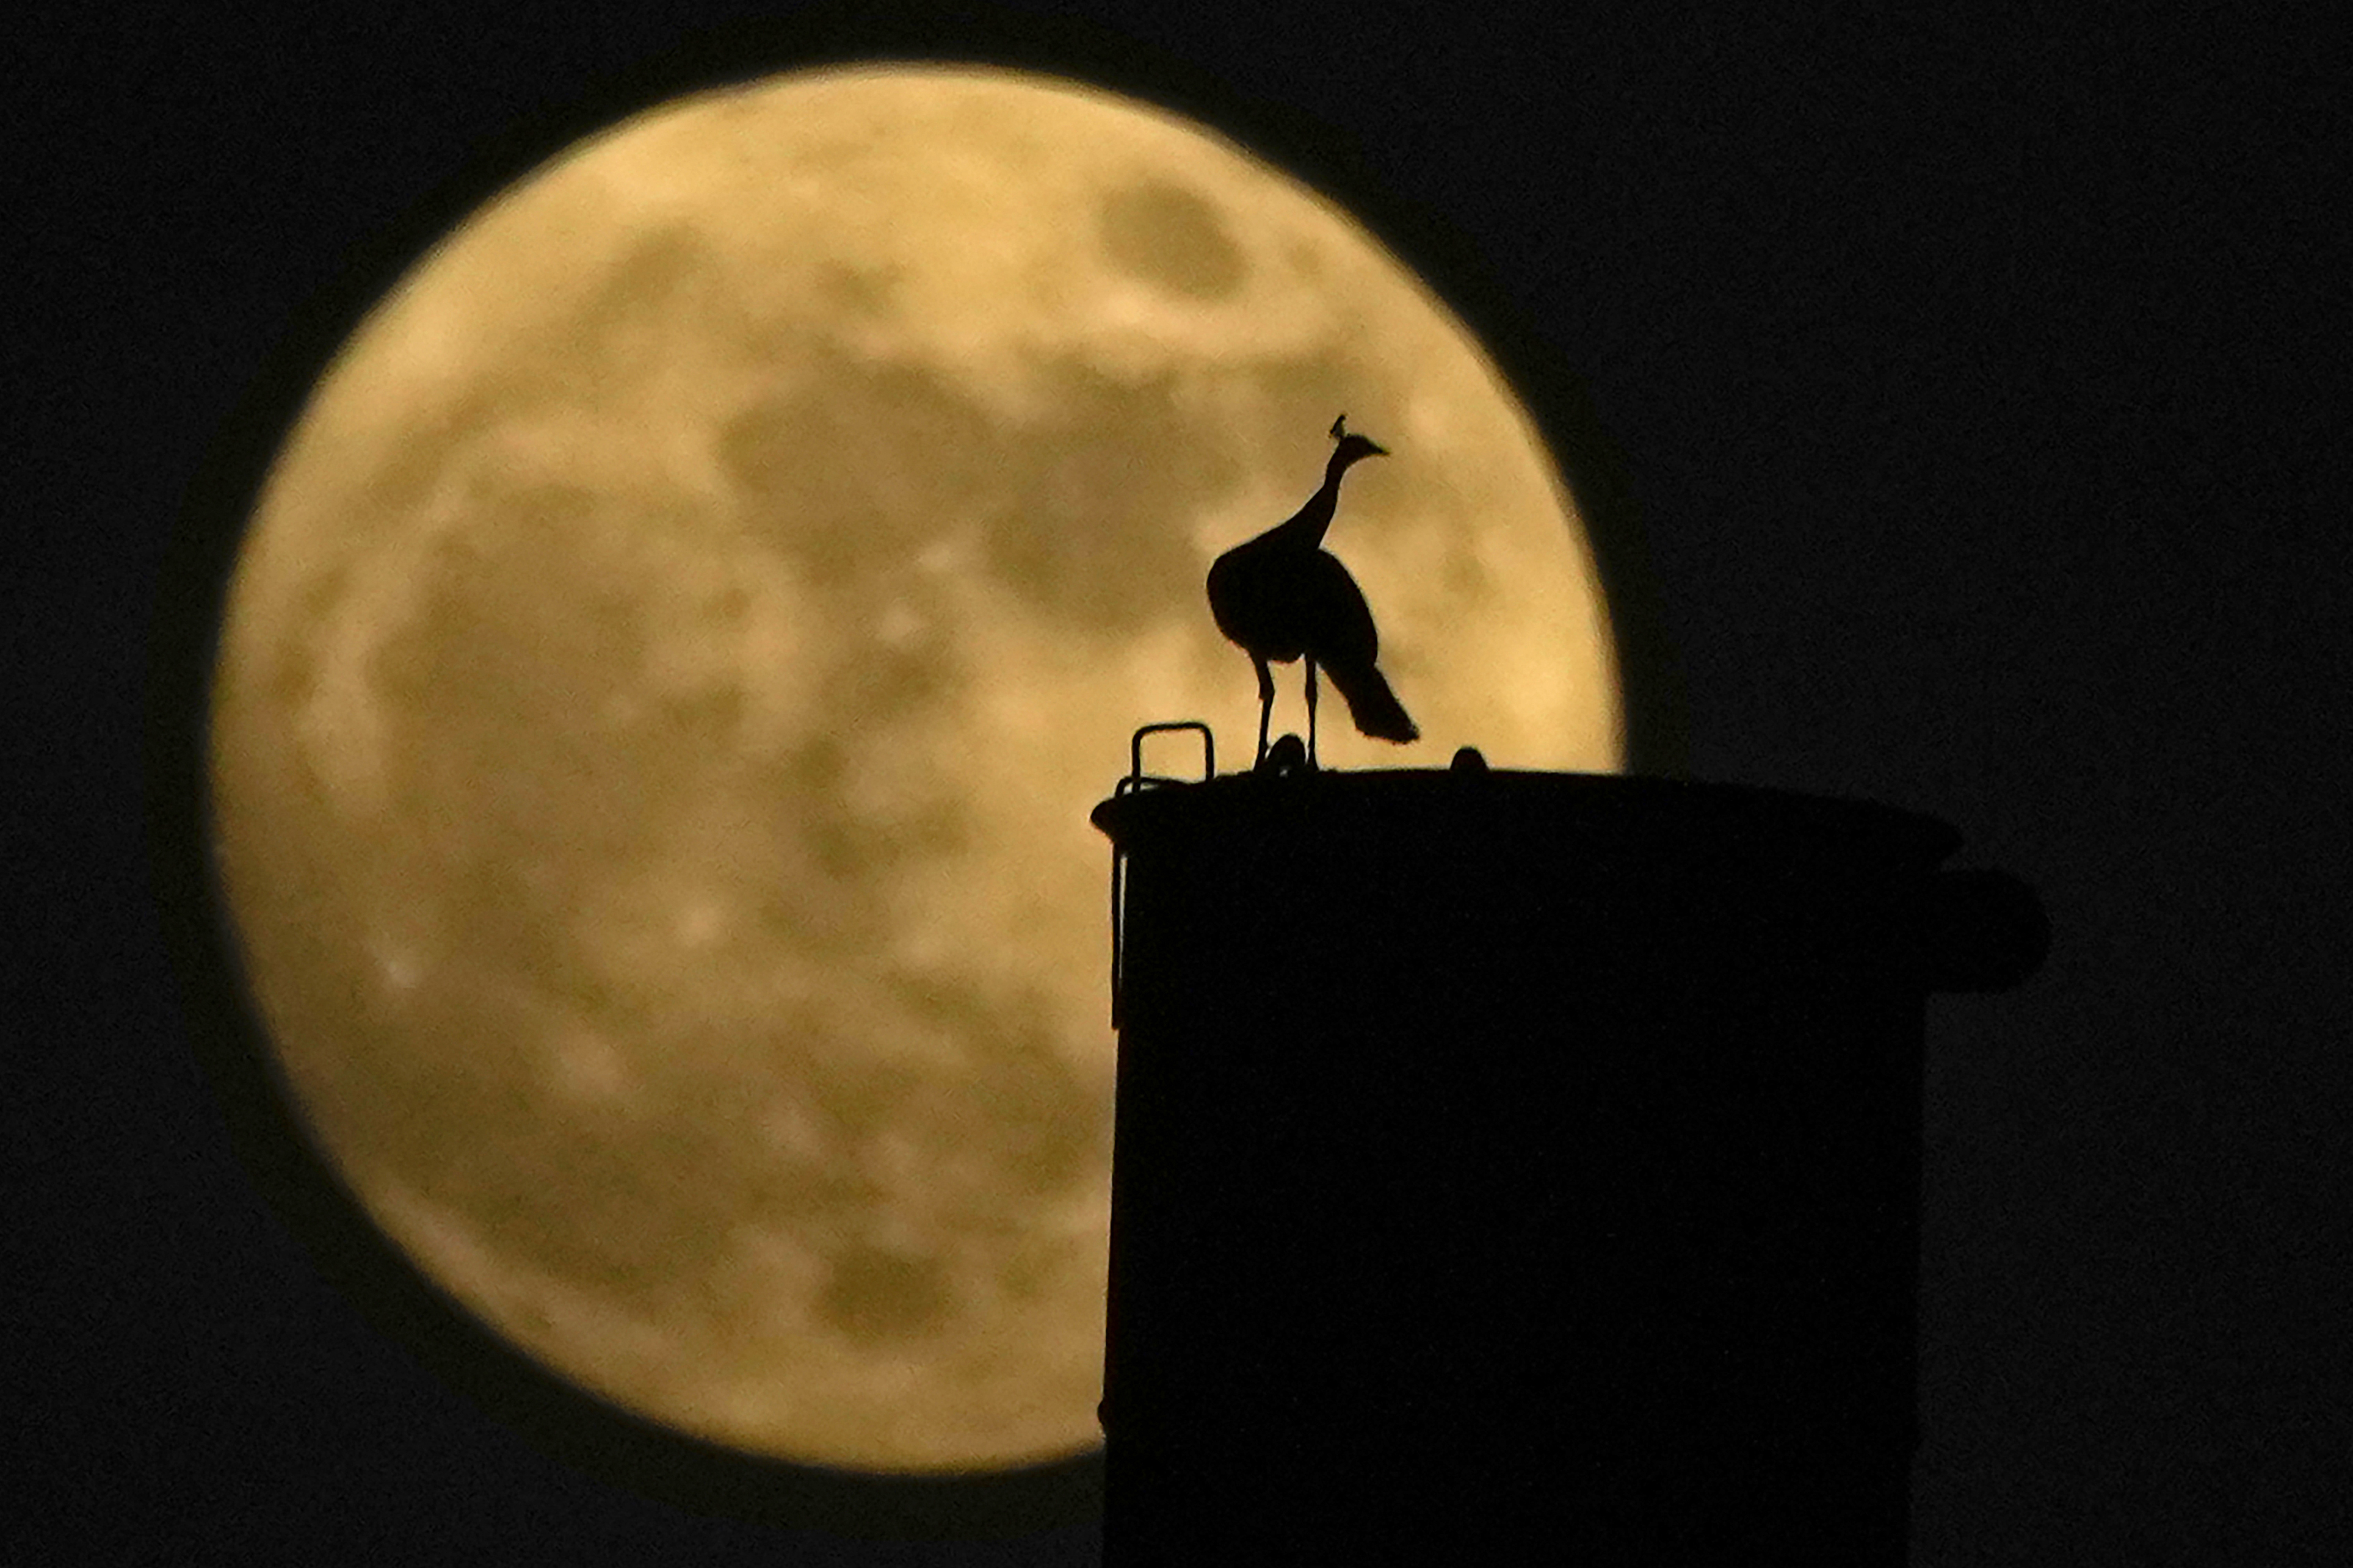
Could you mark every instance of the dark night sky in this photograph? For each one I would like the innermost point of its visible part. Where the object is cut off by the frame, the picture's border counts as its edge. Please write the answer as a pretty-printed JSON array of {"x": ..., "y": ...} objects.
[{"x": 1967, "y": 380}]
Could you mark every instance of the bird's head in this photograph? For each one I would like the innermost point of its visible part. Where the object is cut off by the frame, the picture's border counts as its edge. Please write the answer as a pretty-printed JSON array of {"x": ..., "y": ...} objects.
[{"x": 1352, "y": 445}]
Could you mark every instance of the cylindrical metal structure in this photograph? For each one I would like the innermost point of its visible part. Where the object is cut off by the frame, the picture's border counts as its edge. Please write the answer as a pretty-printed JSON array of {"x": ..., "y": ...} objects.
[{"x": 1523, "y": 1164}]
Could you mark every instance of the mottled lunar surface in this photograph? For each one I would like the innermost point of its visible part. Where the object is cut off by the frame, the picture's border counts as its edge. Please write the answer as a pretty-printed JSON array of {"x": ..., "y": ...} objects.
[{"x": 673, "y": 660}]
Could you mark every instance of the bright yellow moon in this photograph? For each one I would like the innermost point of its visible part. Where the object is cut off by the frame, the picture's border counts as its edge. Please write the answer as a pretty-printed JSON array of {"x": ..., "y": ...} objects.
[{"x": 664, "y": 684}]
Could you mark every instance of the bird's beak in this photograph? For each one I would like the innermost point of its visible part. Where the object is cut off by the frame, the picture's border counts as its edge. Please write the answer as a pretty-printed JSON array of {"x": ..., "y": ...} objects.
[{"x": 1378, "y": 451}]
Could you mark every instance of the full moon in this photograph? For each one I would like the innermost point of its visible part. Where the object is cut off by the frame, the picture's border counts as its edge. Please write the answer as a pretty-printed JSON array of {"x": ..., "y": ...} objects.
[{"x": 671, "y": 660}]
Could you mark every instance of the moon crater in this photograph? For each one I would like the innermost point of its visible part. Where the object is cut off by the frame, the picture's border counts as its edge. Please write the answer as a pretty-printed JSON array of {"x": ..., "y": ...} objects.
[{"x": 1170, "y": 237}]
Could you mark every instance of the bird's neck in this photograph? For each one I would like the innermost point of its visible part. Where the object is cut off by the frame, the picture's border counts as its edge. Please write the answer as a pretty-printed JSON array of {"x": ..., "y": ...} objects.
[{"x": 1305, "y": 530}]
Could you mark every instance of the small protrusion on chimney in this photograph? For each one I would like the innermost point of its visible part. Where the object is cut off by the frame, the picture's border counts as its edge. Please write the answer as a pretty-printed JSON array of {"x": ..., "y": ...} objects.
[
  {"x": 1286, "y": 758},
  {"x": 1468, "y": 761}
]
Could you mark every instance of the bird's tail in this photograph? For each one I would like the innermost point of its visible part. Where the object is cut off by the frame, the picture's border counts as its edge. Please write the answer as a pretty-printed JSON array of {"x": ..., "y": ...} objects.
[{"x": 1372, "y": 705}]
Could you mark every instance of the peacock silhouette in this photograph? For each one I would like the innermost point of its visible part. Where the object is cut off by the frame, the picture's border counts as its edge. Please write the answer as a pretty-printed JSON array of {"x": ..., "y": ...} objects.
[{"x": 1282, "y": 597}]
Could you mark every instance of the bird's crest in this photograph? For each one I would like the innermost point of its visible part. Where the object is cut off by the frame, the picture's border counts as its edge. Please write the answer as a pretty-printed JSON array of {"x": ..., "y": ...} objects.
[{"x": 1339, "y": 426}]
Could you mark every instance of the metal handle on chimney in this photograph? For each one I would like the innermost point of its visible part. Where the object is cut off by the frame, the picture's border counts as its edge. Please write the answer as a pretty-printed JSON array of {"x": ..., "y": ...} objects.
[{"x": 1138, "y": 779}]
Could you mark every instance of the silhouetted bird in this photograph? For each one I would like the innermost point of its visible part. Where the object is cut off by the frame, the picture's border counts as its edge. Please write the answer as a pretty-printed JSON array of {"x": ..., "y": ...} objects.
[{"x": 1281, "y": 597}]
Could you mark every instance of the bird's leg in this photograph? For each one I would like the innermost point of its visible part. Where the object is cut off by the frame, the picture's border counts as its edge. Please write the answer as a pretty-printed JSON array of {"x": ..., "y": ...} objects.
[
  {"x": 1310, "y": 714},
  {"x": 1265, "y": 704}
]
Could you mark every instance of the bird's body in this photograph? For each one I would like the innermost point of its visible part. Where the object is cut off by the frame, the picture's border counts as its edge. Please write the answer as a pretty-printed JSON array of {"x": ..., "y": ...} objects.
[{"x": 1281, "y": 596}]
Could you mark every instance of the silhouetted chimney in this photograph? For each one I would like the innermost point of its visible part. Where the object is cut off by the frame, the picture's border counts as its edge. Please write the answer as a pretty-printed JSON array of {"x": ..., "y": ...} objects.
[{"x": 1521, "y": 1164}]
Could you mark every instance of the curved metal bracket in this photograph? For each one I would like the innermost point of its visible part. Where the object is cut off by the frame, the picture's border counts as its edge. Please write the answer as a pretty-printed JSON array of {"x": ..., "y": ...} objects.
[{"x": 1137, "y": 779}]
